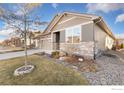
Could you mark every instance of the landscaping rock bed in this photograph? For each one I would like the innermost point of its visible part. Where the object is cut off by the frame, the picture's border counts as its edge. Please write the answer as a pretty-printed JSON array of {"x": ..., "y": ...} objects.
[
  {"x": 74, "y": 63},
  {"x": 110, "y": 72},
  {"x": 108, "y": 69},
  {"x": 23, "y": 70}
]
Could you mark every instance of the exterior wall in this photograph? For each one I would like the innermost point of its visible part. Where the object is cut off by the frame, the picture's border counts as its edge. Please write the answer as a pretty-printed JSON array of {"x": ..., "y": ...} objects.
[
  {"x": 53, "y": 22},
  {"x": 65, "y": 18},
  {"x": 62, "y": 36},
  {"x": 70, "y": 23},
  {"x": 28, "y": 41},
  {"x": 84, "y": 49},
  {"x": 44, "y": 42},
  {"x": 36, "y": 43},
  {"x": 109, "y": 42},
  {"x": 87, "y": 32},
  {"x": 100, "y": 37},
  {"x": 102, "y": 40}
]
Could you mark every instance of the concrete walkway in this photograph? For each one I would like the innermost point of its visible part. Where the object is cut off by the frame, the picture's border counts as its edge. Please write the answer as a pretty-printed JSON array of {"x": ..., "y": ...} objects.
[{"x": 18, "y": 54}]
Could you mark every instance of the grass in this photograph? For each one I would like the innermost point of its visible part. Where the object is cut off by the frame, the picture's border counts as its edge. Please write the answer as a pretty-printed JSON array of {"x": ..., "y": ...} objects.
[{"x": 45, "y": 73}]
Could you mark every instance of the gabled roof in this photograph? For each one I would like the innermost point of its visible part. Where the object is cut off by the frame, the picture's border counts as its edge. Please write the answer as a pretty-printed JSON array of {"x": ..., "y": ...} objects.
[
  {"x": 91, "y": 17},
  {"x": 59, "y": 16}
]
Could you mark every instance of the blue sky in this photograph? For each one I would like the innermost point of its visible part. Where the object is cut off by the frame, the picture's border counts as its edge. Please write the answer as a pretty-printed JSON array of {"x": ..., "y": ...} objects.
[{"x": 113, "y": 14}]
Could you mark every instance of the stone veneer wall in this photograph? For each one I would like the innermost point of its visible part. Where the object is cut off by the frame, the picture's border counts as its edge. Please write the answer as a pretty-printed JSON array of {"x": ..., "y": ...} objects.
[{"x": 84, "y": 49}]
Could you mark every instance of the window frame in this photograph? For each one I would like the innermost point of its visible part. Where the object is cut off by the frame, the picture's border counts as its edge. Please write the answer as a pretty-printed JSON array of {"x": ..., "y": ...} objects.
[{"x": 73, "y": 34}]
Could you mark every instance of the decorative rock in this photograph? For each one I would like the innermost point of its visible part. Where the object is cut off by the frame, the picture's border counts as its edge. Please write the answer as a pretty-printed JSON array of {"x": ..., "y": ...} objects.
[
  {"x": 61, "y": 58},
  {"x": 80, "y": 59},
  {"x": 23, "y": 70},
  {"x": 74, "y": 67},
  {"x": 110, "y": 72}
]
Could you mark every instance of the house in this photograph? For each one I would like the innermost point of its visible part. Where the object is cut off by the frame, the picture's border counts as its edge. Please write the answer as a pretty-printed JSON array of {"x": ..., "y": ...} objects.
[
  {"x": 15, "y": 41},
  {"x": 12, "y": 42},
  {"x": 120, "y": 41},
  {"x": 77, "y": 33},
  {"x": 30, "y": 38}
]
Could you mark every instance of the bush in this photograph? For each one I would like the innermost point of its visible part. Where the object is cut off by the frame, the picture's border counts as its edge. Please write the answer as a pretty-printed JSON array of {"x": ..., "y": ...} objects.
[
  {"x": 55, "y": 54},
  {"x": 114, "y": 47},
  {"x": 122, "y": 45}
]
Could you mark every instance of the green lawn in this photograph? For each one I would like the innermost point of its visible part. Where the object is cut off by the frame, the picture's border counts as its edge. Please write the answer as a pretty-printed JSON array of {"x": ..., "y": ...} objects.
[{"x": 45, "y": 73}]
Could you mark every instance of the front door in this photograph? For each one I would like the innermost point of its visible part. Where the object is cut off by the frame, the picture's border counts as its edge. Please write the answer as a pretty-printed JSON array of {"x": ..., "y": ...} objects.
[{"x": 57, "y": 39}]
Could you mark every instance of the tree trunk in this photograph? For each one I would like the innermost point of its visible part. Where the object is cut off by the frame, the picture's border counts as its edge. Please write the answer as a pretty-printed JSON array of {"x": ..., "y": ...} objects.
[
  {"x": 25, "y": 48},
  {"x": 30, "y": 41},
  {"x": 25, "y": 38}
]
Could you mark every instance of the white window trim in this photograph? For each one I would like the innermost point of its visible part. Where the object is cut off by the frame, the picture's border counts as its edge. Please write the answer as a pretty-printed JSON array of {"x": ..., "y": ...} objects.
[{"x": 72, "y": 35}]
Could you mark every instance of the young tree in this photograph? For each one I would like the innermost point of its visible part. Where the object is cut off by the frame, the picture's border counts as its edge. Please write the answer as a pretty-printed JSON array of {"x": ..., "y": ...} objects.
[{"x": 21, "y": 20}]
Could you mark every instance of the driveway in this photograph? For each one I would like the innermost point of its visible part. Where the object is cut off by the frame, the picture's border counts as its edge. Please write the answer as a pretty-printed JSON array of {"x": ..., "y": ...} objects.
[
  {"x": 110, "y": 70},
  {"x": 18, "y": 54}
]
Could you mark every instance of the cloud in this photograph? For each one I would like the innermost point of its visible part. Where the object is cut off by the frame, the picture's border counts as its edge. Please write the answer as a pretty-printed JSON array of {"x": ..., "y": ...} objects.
[
  {"x": 54, "y": 5},
  {"x": 120, "y": 18},
  {"x": 6, "y": 32},
  {"x": 119, "y": 35},
  {"x": 104, "y": 7}
]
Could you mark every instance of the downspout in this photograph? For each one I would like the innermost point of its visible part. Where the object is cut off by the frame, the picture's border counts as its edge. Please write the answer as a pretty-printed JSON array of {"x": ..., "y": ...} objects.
[
  {"x": 94, "y": 56},
  {"x": 94, "y": 37}
]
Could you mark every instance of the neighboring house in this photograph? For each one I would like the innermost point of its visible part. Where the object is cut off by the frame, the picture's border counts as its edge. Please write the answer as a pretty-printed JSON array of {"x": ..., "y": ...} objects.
[
  {"x": 120, "y": 41},
  {"x": 30, "y": 38},
  {"x": 76, "y": 33},
  {"x": 12, "y": 42},
  {"x": 15, "y": 41}
]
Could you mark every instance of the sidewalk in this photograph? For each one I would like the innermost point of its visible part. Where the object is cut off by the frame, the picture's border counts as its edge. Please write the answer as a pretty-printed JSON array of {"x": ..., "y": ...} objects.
[{"x": 18, "y": 54}]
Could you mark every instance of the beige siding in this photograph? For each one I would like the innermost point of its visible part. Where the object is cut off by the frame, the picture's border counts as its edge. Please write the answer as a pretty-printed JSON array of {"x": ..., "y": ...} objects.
[
  {"x": 100, "y": 36},
  {"x": 70, "y": 23},
  {"x": 103, "y": 40},
  {"x": 52, "y": 23},
  {"x": 62, "y": 36},
  {"x": 87, "y": 32},
  {"x": 66, "y": 17},
  {"x": 45, "y": 42}
]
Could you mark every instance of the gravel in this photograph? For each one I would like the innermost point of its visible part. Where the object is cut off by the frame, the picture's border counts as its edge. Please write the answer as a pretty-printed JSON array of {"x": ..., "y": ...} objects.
[{"x": 111, "y": 72}]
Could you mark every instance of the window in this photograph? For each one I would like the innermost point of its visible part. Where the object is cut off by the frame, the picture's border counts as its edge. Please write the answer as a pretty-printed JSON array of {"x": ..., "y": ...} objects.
[{"x": 73, "y": 35}]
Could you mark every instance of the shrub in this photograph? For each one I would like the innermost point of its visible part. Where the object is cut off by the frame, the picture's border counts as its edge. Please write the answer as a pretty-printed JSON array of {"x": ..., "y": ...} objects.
[
  {"x": 55, "y": 54},
  {"x": 122, "y": 45},
  {"x": 114, "y": 47}
]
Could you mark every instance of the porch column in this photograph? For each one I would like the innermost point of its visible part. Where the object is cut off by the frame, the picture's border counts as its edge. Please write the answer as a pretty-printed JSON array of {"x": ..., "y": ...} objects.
[{"x": 51, "y": 40}]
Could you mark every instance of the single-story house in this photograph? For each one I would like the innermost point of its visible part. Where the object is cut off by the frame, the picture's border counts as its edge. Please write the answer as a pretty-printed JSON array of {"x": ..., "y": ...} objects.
[
  {"x": 76, "y": 33},
  {"x": 120, "y": 41},
  {"x": 30, "y": 38}
]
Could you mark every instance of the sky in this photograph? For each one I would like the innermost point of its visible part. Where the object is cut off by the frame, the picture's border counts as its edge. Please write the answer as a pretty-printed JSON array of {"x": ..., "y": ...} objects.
[{"x": 113, "y": 14}]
